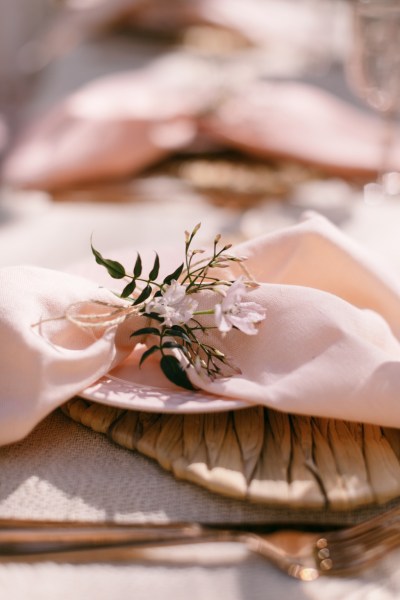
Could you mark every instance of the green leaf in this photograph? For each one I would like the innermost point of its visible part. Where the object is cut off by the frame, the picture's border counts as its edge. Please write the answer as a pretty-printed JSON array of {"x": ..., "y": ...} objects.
[
  {"x": 137, "y": 269},
  {"x": 174, "y": 275},
  {"x": 143, "y": 296},
  {"x": 170, "y": 344},
  {"x": 174, "y": 371},
  {"x": 177, "y": 346},
  {"x": 128, "y": 289},
  {"x": 148, "y": 353},
  {"x": 156, "y": 269},
  {"x": 146, "y": 331},
  {"x": 114, "y": 268},
  {"x": 186, "y": 353},
  {"x": 154, "y": 316},
  {"x": 178, "y": 332}
]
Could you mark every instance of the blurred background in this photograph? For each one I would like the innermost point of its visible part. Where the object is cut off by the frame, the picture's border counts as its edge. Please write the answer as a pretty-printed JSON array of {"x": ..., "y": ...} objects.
[
  {"x": 49, "y": 48},
  {"x": 134, "y": 116}
]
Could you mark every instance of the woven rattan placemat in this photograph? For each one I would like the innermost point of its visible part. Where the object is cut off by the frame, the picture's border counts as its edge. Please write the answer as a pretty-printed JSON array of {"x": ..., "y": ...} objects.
[{"x": 261, "y": 455}]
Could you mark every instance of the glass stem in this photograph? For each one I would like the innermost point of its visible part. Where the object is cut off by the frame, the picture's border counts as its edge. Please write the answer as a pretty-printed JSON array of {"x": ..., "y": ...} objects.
[
  {"x": 387, "y": 183},
  {"x": 388, "y": 132}
]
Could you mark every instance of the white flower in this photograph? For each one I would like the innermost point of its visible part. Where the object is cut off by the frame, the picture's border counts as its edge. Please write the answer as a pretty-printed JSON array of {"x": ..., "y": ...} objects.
[
  {"x": 231, "y": 312},
  {"x": 174, "y": 306}
]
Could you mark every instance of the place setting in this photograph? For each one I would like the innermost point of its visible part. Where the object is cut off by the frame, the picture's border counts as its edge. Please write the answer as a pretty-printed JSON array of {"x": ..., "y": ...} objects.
[
  {"x": 265, "y": 372},
  {"x": 200, "y": 304}
]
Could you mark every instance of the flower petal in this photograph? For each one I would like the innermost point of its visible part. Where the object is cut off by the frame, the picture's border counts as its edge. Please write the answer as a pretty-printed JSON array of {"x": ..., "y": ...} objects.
[
  {"x": 221, "y": 321},
  {"x": 244, "y": 324}
]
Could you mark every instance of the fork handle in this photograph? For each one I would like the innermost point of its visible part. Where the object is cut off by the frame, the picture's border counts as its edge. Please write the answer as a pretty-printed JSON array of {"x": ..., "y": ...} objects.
[
  {"x": 53, "y": 539},
  {"x": 112, "y": 553}
]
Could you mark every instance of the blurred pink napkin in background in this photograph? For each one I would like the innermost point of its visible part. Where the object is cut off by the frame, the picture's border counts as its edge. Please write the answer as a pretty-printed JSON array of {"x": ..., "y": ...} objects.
[
  {"x": 113, "y": 127},
  {"x": 301, "y": 122},
  {"x": 329, "y": 346},
  {"x": 117, "y": 126}
]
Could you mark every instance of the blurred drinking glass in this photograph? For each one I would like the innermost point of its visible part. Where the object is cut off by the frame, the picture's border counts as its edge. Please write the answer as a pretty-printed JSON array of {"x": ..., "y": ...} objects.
[{"x": 374, "y": 74}]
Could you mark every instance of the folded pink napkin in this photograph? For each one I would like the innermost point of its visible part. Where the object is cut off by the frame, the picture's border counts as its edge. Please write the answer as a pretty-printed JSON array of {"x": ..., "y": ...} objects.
[
  {"x": 300, "y": 122},
  {"x": 117, "y": 126},
  {"x": 329, "y": 345},
  {"x": 43, "y": 365},
  {"x": 113, "y": 127}
]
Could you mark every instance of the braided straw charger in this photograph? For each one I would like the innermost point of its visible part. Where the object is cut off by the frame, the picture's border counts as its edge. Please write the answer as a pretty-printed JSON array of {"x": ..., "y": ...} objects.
[{"x": 260, "y": 455}]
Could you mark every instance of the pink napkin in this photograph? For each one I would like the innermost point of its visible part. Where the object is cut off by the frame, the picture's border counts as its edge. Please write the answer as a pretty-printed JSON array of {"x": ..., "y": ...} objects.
[
  {"x": 329, "y": 345},
  {"x": 42, "y": 366},
  {"x": 301, "y": 122},
  {"x": 117, "y": 126},
  {"x": 113, "y": 127}
]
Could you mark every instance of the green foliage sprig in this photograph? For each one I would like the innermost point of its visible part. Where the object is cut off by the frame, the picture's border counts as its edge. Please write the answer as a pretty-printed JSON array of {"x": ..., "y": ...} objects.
[{"x": 171, "y": 307}]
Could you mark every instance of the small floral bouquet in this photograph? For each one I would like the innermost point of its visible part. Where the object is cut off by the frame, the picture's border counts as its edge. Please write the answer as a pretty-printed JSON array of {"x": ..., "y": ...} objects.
[{"x": 171, "y": 309}]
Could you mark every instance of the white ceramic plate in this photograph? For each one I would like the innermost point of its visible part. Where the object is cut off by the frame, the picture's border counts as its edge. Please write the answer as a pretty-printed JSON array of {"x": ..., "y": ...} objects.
[{"x": 125, "y": 387}]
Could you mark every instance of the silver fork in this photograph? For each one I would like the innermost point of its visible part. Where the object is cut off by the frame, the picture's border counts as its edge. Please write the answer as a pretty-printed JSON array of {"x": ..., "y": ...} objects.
[{"x": 302, "y": 555}]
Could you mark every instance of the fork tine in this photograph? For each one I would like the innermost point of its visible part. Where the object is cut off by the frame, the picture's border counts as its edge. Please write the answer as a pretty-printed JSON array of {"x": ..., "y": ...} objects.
[
  {"x": 364, "y": 540},
  {"x": 353, "y": 548},
  {"x": 386, "y": 519},
  {"x": 355, "y": 554},
  {"x": 354, "y": 567}
]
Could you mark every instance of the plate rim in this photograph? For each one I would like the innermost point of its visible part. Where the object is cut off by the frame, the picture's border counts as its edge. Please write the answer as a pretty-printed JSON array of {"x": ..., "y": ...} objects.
[{"x": 117, "y": 392}]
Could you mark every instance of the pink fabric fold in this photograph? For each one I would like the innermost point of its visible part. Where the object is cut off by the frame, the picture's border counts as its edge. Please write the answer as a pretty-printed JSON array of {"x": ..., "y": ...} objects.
[
  {"x": 113, "y": 127},
  {"x": 296, "y": 121},
  {"x": 43, "y": 365},
  {"x": 329, "y": 346},
  {"x": 118, "y": 125}
]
